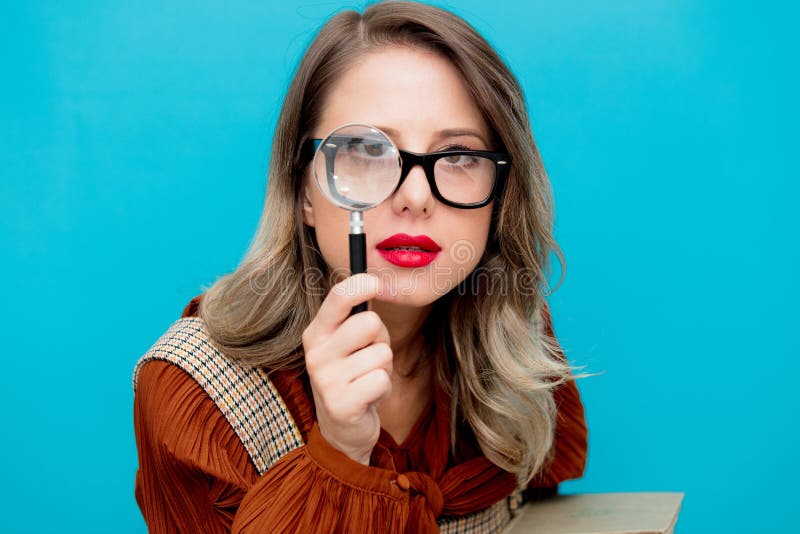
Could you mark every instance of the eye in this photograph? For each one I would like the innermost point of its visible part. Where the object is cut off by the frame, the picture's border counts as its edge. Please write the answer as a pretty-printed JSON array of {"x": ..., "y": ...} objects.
[
  {"x": 363, "y": 147},
  {"x": 455, "y": 159},
  {"x": 374, "y": 149},
  {"x": 459, "y": 160}
]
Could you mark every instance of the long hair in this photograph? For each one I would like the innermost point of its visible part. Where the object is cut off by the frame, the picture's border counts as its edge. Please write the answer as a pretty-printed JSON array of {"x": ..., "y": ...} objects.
[{"x": 496, "y": 361}]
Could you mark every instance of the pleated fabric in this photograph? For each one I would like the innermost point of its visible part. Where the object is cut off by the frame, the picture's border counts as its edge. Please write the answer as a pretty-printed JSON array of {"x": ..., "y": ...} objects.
[{"x": 195, "y": 475}]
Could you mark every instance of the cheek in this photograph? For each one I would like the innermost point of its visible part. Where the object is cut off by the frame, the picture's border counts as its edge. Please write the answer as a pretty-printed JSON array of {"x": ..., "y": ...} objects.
[
  {"x": 475, "y": 231},
  {"x": 331, "y": 228}
]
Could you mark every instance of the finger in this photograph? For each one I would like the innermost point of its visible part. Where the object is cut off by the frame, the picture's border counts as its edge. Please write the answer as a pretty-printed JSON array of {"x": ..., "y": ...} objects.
[
  {"x": 372, "y": 387},
  {"x": 368, "y": 359},
  {"x": 341, "y": 299},
  {"x": 358, "y": 331}
]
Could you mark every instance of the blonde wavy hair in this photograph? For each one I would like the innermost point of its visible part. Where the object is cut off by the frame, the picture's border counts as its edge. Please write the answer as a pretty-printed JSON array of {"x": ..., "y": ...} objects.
[{"x": 494, "y": 357}]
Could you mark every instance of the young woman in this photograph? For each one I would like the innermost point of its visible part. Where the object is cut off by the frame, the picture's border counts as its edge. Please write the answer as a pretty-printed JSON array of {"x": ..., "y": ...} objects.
[{"x": 268, "y": 408}]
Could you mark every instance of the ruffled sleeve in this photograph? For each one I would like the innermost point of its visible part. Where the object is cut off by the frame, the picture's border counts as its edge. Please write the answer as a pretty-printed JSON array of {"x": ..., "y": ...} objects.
[
  {"x": 193, "y": 470},
  {"x": 317, "y": 488}
]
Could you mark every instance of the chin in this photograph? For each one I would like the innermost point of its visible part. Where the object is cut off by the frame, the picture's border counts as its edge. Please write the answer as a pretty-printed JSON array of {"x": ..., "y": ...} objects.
[{"x": 418, "y": 299}]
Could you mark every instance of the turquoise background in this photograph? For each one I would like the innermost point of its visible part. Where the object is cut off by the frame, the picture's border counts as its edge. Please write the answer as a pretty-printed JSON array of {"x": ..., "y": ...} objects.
[{"x": 134, "y": 142}]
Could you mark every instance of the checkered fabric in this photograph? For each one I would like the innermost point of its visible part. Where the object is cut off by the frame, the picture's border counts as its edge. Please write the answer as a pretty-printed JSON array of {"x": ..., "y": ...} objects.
[
  {"x": 246, "y": 397},
  {"x": 490, "y": 520},
  {"x": 258, "y": 415}
]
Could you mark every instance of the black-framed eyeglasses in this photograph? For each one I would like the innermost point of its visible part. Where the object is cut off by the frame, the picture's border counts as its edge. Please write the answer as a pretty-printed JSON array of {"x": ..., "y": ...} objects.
[{"x": 464, "y": 179}]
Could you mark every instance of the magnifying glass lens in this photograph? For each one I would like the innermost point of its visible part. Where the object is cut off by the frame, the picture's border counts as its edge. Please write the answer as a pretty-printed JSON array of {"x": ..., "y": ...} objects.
[{"x": 357, "y": 167}]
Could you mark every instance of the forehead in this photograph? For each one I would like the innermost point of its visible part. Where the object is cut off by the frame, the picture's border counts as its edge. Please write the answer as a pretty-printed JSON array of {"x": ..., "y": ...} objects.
[{"x": 412, "y": 91}]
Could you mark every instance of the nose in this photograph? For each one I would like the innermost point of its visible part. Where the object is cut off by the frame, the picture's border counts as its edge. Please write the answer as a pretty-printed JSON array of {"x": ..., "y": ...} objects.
[{"x": 414, "y": 194}]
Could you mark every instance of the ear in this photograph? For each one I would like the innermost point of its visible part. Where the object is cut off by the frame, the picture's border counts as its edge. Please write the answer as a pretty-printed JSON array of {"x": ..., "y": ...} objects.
[{"x": 308, "y": 209}]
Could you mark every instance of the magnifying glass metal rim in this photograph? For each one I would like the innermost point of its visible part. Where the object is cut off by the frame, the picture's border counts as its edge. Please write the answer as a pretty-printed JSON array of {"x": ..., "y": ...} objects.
[{"x": 351, "y": 206}]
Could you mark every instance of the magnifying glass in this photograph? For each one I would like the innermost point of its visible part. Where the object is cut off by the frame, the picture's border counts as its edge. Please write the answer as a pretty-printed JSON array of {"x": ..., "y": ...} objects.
[{"x": 357, "y": 167}]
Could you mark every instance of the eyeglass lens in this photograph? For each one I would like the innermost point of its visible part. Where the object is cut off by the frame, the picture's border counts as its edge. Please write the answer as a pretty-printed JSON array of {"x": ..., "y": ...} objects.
[{"x": 464, "y": 179}]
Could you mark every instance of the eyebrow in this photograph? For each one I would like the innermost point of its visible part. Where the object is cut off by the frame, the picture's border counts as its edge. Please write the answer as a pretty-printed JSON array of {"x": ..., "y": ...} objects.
[{"x": 443, "y": 134}]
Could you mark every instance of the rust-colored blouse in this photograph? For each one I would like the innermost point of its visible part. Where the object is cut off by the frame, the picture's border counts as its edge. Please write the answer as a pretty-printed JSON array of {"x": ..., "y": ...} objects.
[{"x": 195, "y": 475}]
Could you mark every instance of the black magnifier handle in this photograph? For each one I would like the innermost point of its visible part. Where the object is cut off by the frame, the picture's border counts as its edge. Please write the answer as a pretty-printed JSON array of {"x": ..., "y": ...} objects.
[{"x": 358, "y": 263}]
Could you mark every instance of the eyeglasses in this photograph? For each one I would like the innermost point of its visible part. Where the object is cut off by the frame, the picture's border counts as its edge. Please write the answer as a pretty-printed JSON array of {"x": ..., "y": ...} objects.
[{"x": 464, "y": 179}]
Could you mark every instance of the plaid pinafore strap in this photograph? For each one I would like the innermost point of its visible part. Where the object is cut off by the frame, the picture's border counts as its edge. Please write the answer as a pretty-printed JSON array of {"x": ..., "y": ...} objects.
[
  {"x": 246, "y": 396},
  {"x": 258, "y": 415},
  {"x": 491, "y": 520}
]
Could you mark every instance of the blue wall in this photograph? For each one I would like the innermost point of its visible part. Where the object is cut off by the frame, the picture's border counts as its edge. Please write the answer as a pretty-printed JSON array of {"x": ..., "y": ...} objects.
[{"x": 134, "y": 141}]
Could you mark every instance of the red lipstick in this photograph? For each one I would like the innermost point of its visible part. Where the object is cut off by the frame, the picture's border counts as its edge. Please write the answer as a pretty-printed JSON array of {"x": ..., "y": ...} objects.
[{"x": 405, "y": 250}]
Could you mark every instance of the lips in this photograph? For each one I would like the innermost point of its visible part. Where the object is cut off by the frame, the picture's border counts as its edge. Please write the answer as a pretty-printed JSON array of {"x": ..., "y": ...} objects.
[
  {"x": 404, "y": 250},
  {"x": 405, "y": 241}
]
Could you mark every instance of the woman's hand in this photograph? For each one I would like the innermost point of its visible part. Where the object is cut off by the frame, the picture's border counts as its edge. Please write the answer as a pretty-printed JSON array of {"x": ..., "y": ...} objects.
[{"x": 349, "y": 362}]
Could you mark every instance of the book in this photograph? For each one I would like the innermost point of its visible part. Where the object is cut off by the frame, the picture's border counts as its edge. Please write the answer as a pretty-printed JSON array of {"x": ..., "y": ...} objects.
[{"x": 596, "y": 513}]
